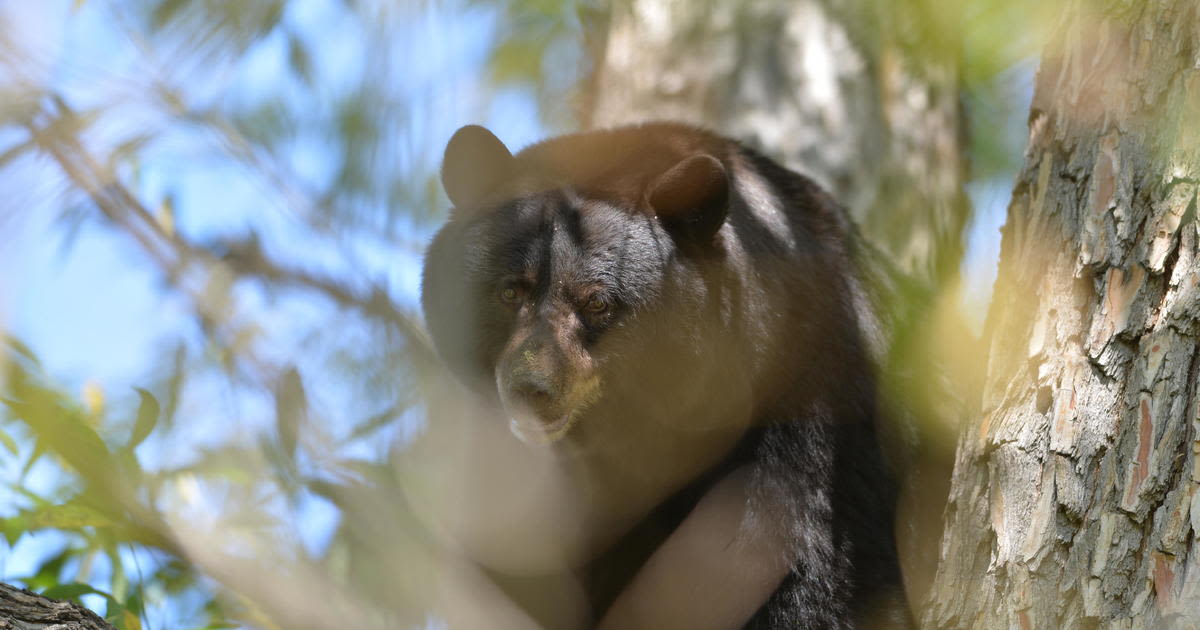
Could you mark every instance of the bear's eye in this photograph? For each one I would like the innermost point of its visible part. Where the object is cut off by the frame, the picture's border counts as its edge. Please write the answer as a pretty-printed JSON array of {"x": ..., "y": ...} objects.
[
  {"x": 596, "y": 305},
  {"x": 510, "y": 294}
]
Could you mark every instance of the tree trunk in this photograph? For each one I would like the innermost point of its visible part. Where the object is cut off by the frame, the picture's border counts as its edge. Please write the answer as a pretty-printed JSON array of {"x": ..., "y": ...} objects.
[
  {"x": 23, "y": 610},
  {"x": 1074, "y": 502}
]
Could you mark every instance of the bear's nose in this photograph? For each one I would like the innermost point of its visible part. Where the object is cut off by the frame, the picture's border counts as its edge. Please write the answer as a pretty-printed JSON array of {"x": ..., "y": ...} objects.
[{"x": 535, "y": 389}]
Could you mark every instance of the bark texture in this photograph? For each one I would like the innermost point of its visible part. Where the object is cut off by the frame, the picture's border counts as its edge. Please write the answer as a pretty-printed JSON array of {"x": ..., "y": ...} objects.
[
  {"x": 23, "y": 610},
  {"x": 859, "y": 96},
  {"x": 1074, "y": 502}
]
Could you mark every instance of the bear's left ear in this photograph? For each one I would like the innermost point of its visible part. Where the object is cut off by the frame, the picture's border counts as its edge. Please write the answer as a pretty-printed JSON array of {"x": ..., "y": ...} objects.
[
  {"x": 692, "y": 198},
  {"x": 475, "y": 163}
]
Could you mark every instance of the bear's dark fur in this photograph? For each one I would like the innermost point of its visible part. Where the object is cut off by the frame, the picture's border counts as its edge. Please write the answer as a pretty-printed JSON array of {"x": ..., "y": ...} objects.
[{"x": 669, "y": 305}]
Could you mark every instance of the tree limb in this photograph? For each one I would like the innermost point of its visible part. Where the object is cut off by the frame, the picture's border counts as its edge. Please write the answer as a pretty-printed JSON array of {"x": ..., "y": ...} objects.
[{"x": 25, "y": 610}]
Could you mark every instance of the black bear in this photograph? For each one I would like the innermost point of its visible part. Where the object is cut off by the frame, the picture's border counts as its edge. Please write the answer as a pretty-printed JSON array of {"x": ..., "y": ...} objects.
[{"x": 680, "y": 319}]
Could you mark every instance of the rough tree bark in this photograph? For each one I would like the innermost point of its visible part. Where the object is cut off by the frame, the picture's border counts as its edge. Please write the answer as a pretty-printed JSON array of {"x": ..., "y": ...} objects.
[
  {"x": 1074, "y": 502},
  {"x": 23, "y": 610}
]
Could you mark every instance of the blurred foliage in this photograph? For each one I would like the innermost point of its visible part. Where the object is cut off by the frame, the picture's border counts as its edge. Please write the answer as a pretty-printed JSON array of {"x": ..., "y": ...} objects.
[
  {"x": 119, "y": 496},
  {"x": 298, "y": 359},
  {"x": 547, "y": 46},
  {"x": 101, "y": 498}
]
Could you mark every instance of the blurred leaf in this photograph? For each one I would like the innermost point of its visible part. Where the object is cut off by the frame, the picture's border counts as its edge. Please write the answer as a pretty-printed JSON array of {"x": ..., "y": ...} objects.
[
  {"x": 73, "y": 217},
  {"x": 147, "y": 417},
  {"x": 216, "y": 298},
  {"x": 131, "y": 620},
  {"x": 135, "y": 603},
  {"x": 299, "y": 58},
  {"x": 377, "y": 421},
  {"x": 9, "y": 443},
  {"x": 164, "y": 215},
  {"x": 71, "y": 591},
  {"x": 172, "y": 576},
  {"x": 19, "y": 347},
  {"x": 63, "y": 431},
  {"x": 64, "y": 516},
  {"x": 174, "y": 386},
  {"x": 116, "y": 614},
  {"x": 517, "y": 60},
  {"x": 39, "y": 449},
  {"x": 121, "y": 617},
  {"x": 93, "y": 401},
  {"x": 15, "y": 152},
  {"x": 12, "y": 530},
  {"x": 46, "y": 574},
  {"x": 120, "y": 580},
  {"x": 290, "y": 405},
  {"x": 165, "y": 12},
  {"x": 266, "y": 123},
  {"x": 128, "y": 148}
]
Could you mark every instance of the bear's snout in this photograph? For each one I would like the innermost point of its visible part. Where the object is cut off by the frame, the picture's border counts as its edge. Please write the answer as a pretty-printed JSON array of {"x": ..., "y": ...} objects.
[
  {"x": 533, "y": 375},
  {"x": 541, "y": 386},
  {"x": 535, "y": 388}
]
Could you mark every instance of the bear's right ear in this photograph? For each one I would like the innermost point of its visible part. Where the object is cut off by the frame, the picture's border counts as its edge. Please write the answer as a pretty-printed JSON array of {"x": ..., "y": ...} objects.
[
  {"x": 692, "y": 198},
  {"x": 475, "y": 163}
]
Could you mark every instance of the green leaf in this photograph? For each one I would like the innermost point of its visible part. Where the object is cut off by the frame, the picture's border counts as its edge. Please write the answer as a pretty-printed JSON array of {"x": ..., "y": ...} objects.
[
  {"x": 121, "y": 616},
  {"x": 71, "y": 591},
  {"x": 119, "y": 583},
  {"x": 46, "y": 575},
  {"x": 147, "y": 418},
  {"x": 13, "y": 528},
  {"x": 116, "y": 614},
  {"x": 66, "y": 516},
  {"x": 57, "y": 424},
  {"x": 130, "y": 621},
  {"x": 134, "y": 603},
  {"x": 39, "y": 449},
  {"x": 517, "y": 61},
  {"x": 9, "y": 443}
]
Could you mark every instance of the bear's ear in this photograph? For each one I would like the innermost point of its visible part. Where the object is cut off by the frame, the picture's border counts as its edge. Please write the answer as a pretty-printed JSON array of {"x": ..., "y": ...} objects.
[
  {"x": 692, "y": 198},
  {"x": 475, "y": 163}
]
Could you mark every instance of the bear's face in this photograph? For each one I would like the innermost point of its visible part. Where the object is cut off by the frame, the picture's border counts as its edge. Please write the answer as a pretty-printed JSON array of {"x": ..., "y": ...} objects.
[
  {"x": 547, "y": 294},
  {"x": 552, "y": 279}
]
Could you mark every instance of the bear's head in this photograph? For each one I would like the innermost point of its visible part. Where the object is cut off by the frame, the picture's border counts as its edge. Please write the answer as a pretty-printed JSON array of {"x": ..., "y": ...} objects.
[{"x": 577, "y": 272}]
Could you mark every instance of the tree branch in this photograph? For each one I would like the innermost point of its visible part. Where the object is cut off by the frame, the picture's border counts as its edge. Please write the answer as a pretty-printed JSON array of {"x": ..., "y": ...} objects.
[
  {"x": 173, "y": 253},
  {"x": 25, "y": 610}
]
